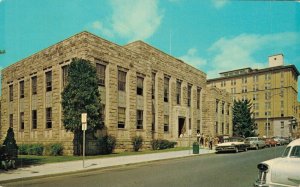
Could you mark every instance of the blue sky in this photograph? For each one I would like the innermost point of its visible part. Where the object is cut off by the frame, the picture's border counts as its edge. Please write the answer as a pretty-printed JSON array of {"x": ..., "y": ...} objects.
[{"x": 211, "y": 35}]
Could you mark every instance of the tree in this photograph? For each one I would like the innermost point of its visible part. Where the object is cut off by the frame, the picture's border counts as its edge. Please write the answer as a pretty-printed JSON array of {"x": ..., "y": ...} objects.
[
  {"x": 243, "y": 124},
  {"x": 10, "y": 144},
  {"x": 81, "y": 95}
]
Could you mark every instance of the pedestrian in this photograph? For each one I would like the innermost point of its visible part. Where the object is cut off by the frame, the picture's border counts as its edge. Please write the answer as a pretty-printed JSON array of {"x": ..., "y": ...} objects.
[
  {"x": 198, "y": 137},
  {"x": 210, "y": 139},
  {"x": 201, "y": 139}
]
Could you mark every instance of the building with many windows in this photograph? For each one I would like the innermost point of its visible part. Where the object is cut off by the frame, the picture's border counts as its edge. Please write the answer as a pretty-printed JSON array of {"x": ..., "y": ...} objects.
[
  {"x": 143, "y": 92},
  {"x": 273, "y": 92}
]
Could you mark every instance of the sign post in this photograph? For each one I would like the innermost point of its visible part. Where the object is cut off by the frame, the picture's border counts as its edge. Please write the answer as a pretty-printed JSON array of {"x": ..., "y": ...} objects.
[{"x": 84, "y": 127}]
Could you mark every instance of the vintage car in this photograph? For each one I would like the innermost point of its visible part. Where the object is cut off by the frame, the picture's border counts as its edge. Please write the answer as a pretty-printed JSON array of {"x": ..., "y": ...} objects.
[
  {"x": 270, "y": 142},
  {"x": 255, "y": 142},
  {"x": 282, "y": 171},
  {"x": 232, "y": 144}
]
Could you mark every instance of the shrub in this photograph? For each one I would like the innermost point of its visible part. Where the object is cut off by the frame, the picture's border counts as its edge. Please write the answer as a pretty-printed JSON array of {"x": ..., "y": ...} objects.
[
  {"x": 107, "y": 144},
  {"x": 24, "y": 149},
  {"x": 162, "y": 144},
  {"x": 137, "y": 142},
  {"x": 37, "y": 149},
  {"x": 56, "y": 149}
]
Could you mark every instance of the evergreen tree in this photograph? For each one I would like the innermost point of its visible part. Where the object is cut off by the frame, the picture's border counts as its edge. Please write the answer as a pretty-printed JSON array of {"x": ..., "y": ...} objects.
[
  {"x": 10, "y": 144},
  {"x": 81, "y": 95},
  {"x": 243, "y": 124}
]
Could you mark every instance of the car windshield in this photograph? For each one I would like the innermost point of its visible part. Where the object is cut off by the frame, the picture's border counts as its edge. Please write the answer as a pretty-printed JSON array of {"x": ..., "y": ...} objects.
[
  {"x": 295, "y": 152},
  {"x": 286, "y": 152}
]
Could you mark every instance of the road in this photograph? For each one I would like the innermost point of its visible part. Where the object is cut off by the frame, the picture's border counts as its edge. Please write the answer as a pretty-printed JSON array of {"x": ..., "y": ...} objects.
[{"x": 214, "y": 170}]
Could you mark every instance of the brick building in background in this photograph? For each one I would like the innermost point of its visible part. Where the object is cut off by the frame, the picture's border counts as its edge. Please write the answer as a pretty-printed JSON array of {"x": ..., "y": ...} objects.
[
  {"x": 143, "y": 92},
  {"x": 273, "y": 92}
]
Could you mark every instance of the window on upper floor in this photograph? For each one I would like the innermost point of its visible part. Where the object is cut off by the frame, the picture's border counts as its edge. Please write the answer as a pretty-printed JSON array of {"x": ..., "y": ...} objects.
[
  {"x": 34, "y": 119},
  {"x": 198, "y": 97},
  {"x": 65, "y": 74},
  {"x": 11, "y": 92},
  {"x": 21, "y": 84},
  {"x": 178, "y": 92},
  {"x": 189, "y": 95},
  {"x": 48, "y": 81},
  {"x": 100, "y": 69},
  {"x": 153, "y": 85},
  {"x": 139, "y": 85},
  {"x": 121, "y": 80},
  {"x": 34, "y": 85},
  {"x": 166, "y": 89}
]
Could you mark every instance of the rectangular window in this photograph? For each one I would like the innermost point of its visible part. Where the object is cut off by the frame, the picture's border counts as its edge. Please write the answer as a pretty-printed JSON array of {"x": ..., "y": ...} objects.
[
  {"x": 49, "y": 118},
  {"x": 139, "y": 85},
  {"x": 267, "y": 126},
  {"x": 281, "y": 104},
  {"x": 216, "y": 128},
  {"x": 65, "y": 74},
  {"x": 34, "y": 85},
  {"x": 122, "y": 80},
  {"x": 153, "y": 85},
  {"x": 255, "y": 78},
  {"x": 227, "y": 128},
  {"x": 282, "y": 124},
  {"x": 223, "y": 107},
  {"x": 21, "y": 120},
  {"x": 244, "y": 80},
  {"x": 34, "y": 119},
  {"x": 49, "y": 81},
  {"x": 139, "y": 119},
  {"x": 217, "y": 105},
  {"x": 178, "y": 92},
  {"x": 21, "y": 89},
  {"x": 198, "y": 97},
  {"x": 222, "y": 128},
  {"x": 121, "y": 117},
  {"x": 11, "y": 92},
  {"x": 11, "y": 120},
  {"x": 100, "y": 70},
  {"x": 189, "y": 95},
  {"x": 166, "y": 89},
  {"x": 166, "y": 123}
]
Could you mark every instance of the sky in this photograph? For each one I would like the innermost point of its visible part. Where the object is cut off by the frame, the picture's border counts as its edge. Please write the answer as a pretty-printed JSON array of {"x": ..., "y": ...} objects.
[{"x": 211, "y": 35}]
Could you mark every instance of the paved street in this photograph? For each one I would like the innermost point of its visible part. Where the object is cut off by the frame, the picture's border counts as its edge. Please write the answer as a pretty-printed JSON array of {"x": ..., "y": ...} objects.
[{"x": 230, "y": 169}]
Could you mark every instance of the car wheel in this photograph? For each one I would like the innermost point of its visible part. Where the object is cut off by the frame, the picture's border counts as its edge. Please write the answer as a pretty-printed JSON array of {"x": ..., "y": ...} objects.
[
  {"x": 246, "y": 149},
  {"x": 236, "y": 150},
  {"x": 256, "y": 147}
]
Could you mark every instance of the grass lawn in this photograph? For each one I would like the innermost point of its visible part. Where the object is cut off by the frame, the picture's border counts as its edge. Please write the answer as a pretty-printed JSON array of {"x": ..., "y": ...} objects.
[{"x": 28, "y": 160}]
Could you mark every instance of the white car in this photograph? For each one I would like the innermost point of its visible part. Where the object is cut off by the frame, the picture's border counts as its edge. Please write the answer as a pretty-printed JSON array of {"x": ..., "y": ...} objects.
[
  {"x": 233, "y": 144},
  {"x": 282, "y": 171},
  {"x": 255, "y": 142}
]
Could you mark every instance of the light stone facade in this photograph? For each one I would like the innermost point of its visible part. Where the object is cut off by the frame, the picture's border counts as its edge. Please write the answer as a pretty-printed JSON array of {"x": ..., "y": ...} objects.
[
  {"x": 187, "y": 106},
  {"x": 273, "y": 92}
]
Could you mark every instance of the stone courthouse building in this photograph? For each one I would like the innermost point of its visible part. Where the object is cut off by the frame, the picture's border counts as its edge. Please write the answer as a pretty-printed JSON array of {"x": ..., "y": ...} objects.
[{"x": 144, "y": 91}]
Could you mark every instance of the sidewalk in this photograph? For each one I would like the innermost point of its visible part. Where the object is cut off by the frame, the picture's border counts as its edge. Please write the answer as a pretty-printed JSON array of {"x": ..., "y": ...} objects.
[{"x": 91, "y": 164}]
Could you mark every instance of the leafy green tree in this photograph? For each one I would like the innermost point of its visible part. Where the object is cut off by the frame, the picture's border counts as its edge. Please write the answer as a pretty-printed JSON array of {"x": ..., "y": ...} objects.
[
  {"x": 10, "y": 144},
  {"x": 243, "y": 124},
  {"x": 81, "y": 95}
]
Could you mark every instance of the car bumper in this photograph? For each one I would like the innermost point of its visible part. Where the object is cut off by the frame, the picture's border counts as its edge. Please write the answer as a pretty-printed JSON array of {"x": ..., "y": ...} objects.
[{"x": 225, "y": 149}]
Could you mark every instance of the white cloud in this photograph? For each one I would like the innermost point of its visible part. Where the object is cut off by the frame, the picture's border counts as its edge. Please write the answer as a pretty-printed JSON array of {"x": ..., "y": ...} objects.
[
  {"x": 131, "y": 19},
  {"x": 193, "y": 59},
  {"x": 238, "y": 52},
  {"x": 219, "y": 3}
]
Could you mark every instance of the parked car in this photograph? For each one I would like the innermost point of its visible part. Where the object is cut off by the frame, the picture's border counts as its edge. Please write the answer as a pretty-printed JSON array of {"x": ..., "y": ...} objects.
[
  {"x": 255, "y": 142},
  {"x": 281, "y": 141},
  {"x": 283, "y": 171},
  {"x": 270, "y": 142},
  {"x": 232, "y": 144}
]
